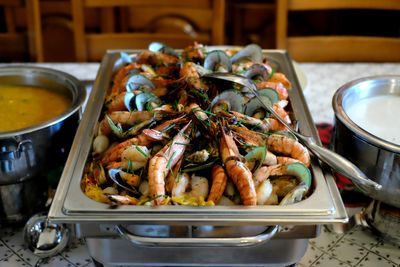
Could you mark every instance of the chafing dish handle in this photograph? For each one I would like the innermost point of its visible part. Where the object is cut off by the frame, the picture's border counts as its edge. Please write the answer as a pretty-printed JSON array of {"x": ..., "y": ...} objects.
[{"x": 198, "y": 241}]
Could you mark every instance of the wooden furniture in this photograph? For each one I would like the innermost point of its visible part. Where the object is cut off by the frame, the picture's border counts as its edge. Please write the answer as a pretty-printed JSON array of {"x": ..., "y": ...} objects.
[
  {"x": 253, "y": 22},
  {"x": 176, "y": 23},
  {"x": 336, "y": 48},
  {"x": 26, "y": 43}
]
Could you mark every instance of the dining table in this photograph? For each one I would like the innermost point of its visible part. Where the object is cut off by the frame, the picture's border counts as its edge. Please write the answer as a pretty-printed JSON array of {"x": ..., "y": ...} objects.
[{"x": 335, "y": 246}]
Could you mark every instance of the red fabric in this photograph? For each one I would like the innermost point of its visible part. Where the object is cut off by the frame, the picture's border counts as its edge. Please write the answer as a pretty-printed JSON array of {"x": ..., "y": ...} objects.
[
  {"x": 351, "y": 195},
  {"x": 325, "y": 133}
]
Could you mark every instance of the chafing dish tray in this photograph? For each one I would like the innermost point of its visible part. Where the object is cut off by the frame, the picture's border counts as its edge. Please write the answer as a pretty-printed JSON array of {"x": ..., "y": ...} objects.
[{"x": 71, "y": 205}]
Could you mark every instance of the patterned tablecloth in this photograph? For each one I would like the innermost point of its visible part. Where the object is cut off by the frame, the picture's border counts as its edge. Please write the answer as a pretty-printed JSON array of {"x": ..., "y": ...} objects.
[{"x": 357, "y": 247}]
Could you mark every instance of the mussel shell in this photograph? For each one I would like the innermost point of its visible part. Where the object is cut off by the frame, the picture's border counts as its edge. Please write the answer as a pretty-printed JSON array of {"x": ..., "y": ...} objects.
[
  {"x": 257, "y": 71},
  {"x": 116, "y": 178},
  {"x": 142, "y": 99},
  {"x": 235, "y": 100},
  {"x": 137, "y": 81},
  {"x": 201, "y": 70},
  {"x": 295, "y": 195},
  {"x": 270, "y": 93},
  {"x": 254, "y": 104},
  {"x": 129, "y": 101},
  {"x": 124, "y": 60},
  {"x": 163, "y": 48},
  {"x": 251, "y": 51},
  {"x": 269, "y": 97},
  {"x": 216, "y": 59}
]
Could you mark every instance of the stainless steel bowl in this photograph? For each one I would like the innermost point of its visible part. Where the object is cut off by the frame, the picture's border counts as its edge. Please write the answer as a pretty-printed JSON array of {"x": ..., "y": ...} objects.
[
  {"x": 377, "y": 158},
  {"x": 29, "y": 156}
]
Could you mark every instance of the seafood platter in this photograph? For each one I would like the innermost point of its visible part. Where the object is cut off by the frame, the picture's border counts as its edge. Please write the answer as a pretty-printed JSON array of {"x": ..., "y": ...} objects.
[{"x": 169, "y": 161}]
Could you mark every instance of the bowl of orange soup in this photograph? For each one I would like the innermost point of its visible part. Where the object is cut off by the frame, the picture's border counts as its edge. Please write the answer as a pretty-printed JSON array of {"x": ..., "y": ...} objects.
[
  {"x": 367, "y": 132},
  {"x": 40, "y": 110}
]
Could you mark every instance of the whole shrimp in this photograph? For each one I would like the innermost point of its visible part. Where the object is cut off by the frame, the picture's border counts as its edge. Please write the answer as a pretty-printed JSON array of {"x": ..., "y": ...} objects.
[
  {"x": 288, "y": 147},
  {"x": 278, "y": 77},
  {"x": 117, "y": 103},
  {"x": 156, "y": 58},
  {"x": 143, "y": 139},
  {"x": 163, "y": 161},
  {"x": 191, "y": 76},
  {"x": 247, "y": 136},
  {"x": 237, "y": 170},
  {"x": 219, "y": 180},
  {"x": 194, "y": 53},
  {"x": 265, "y": 125},
  {"x": 125, "y": 118}
]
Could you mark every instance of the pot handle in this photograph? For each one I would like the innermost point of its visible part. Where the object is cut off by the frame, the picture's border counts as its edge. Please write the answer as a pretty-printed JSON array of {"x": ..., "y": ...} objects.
[
  {"x": 198, "y": 241},
  {"x": 15, "y": 154}
]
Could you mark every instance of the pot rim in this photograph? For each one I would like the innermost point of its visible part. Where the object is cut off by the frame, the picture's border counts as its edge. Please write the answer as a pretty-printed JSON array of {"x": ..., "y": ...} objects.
[
  {"x": 340, "y": 114},
  {"x": 78, "y": 91}
]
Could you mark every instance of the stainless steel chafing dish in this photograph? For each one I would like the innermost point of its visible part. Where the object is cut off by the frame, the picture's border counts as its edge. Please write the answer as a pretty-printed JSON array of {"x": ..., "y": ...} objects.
[{"x": 185, "y": 235}]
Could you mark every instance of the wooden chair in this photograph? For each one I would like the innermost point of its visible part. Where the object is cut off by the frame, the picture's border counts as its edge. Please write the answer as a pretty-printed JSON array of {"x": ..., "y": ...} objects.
[
  {"x": 335, "y": 48},
  {"x": 17, "y": 44},
  {"x": 253, "y": 22},
  {"x": 174, "y": 22}
]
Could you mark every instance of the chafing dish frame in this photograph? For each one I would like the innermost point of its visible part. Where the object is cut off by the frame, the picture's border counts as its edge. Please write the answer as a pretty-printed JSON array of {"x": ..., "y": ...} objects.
[{"x": 71, "y": 205}]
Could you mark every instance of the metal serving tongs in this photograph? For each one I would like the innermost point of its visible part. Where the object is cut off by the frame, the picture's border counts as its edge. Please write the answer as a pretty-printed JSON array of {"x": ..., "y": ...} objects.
[{"x": 334, "y": 160}]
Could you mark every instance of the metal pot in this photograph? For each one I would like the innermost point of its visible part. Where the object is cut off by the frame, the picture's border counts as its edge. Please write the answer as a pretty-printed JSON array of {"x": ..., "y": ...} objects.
[
  {"x": 383, "y": 219},
  {"x": 377, "y": 158},
  {"x": 31, "y": 157}
]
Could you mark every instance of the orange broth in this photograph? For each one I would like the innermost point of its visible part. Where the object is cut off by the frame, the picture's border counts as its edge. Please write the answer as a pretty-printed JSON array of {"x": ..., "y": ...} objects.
[{"x": 24, "y": 106}]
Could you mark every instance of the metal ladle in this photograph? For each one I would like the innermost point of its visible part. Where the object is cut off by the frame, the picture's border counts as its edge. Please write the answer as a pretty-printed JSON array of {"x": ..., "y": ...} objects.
[
  {"x": 334, "y": 160},
  {"x": 43, "y": 238}
]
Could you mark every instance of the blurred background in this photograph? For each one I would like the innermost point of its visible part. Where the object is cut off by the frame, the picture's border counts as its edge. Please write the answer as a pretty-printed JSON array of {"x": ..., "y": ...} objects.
[{"x": 75, "y": 30}]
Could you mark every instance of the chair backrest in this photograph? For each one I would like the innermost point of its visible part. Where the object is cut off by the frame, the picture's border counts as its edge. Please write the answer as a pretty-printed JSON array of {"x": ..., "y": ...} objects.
[
  {"x": 175, "y": 22},
  {"x": 17, "y": 43},
  {"x": 336, "y": 48}
]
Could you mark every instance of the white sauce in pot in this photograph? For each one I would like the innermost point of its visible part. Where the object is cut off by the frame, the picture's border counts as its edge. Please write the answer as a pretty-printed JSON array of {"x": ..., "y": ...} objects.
[{"x": 379, "y": 116}]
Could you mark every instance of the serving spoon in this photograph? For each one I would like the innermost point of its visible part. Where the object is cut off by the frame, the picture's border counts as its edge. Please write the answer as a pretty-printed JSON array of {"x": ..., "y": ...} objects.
[
  {"x": 334, "y": 160},
  {"x": 45, "y": 239}
]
